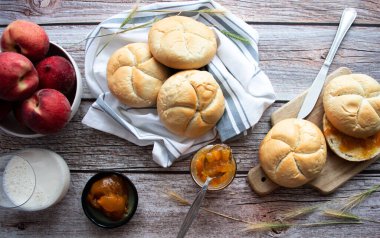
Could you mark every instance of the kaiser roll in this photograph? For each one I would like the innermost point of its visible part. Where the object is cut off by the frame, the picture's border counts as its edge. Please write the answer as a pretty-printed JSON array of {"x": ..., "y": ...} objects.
[
  {"x": 190, "y": 103},
  {"x": 182, "y": 42},
  {"x": 134, "y": 76},
  {"x": 293, "y": 152},
  {"x": 348, "y": 147},
  {"x": 352, "y": 104}
]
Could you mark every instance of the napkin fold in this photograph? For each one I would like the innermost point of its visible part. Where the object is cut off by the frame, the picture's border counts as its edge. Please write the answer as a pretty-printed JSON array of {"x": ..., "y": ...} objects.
[{"x": 246, "y": 88}]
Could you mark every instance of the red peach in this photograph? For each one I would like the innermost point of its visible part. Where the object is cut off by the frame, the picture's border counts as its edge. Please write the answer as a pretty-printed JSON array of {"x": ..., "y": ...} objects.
[
  {"x": 5, "y": 109},
  {"x": 18, "y": 77},
  {"x": 56, "y": 72},
  {"x": 26, "y": 38},
  {"x": 46, "y": 112}
]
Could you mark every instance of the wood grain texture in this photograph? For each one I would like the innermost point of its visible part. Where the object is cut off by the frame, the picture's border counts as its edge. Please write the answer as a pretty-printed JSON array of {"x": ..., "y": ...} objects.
[
  {"x": 157, "y": 216},
  {"x": 86, "y": 149},
  {"x": 290, "y": 55},
  {"x": 277, "y": 11},
  {"x": 294, "y": 39}
]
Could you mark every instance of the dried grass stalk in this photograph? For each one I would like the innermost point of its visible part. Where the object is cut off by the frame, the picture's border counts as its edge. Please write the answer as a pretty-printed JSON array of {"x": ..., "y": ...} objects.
[
  {"x": 299, "y": 212},
  {"x": 357, "y": 199}
]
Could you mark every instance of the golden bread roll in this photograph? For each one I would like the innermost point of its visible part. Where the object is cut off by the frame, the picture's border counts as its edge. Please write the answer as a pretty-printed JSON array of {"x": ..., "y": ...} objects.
[
  {"x": 351, "y": 148},
  {"x": 134, "y": 77},
  {"x": 182, "y": 42},
  {"x": 190, "y": 103},
  {"x": 352, "y": 104},
  {"x": 293, "y": 152}
]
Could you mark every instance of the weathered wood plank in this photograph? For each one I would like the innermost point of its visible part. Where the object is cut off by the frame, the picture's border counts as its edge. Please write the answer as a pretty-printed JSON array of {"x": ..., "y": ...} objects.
[
  {"x": 88, "y": 149},
  {"x": 157, "y": 216},
  {"x": 64, "y": 11},
  {"x": 290, "y": 55}
]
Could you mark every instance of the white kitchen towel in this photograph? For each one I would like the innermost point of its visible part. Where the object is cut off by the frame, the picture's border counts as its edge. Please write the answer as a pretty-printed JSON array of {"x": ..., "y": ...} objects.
[{"x": 246, "y": 88}]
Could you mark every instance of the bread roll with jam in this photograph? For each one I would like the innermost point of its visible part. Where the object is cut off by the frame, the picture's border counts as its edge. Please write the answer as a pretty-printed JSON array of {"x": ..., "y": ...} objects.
[
  {"x": 352, "y": 104},
  {"x": 182, "y": 43},
  {"x": 134, "y": 77},
  {"x": 190, "y": 103},
  {"x": 293, "y": 152},
  {"x": 348, "y": 147}
]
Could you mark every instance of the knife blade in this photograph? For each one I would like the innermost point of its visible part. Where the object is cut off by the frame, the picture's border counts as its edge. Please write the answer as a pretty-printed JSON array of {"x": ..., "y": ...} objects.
[{"x": 348, "y": 17}]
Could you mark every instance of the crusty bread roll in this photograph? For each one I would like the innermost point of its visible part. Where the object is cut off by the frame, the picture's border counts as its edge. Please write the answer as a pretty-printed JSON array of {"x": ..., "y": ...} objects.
[
  {"x": 351, "y": 148},
  {"x": 352, "y": 104},
  {"x": 134, "y": 76},
  {"x": 293, "y": 152},
  {"x": 182, "y": 42},
  {"x": 190, "y": 103}
]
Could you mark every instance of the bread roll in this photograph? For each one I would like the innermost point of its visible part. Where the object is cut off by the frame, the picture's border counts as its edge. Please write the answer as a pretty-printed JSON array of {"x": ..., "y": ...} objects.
[
  {"x": 134, "y": 76},
  {"x": 182, "y": 42},
  {"x": 190, "y": 103},
  {"x": 293, "y": 152},
  {"x": 352, "y": 104},
  {"x": 351, "y": 148}
]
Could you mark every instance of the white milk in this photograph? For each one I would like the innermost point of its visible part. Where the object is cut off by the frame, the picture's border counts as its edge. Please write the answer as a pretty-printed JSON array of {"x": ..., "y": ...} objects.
[{"x": 52, "y": 179}]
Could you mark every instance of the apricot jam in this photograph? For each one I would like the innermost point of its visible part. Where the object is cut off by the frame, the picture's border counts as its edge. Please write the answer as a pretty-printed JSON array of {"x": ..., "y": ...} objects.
[
  {"x": 214, "y": 161},
  {"x": 361, "y": 147},
  {"x": 109, "y": 195}
]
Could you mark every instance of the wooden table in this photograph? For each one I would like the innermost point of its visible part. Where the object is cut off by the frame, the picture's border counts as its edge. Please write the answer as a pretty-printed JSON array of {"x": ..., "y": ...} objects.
[{"x": 294, "y": 39}]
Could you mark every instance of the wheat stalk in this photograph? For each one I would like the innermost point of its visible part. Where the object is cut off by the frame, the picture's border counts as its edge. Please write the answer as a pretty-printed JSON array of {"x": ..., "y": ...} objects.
[
  {"x": 345, "y": 215},
  {"x": 266, "y": 226},
  {"x": 357, "y": 199},
  {"x": 183, "y": 201},
  {"x": 299, "y": 212}
]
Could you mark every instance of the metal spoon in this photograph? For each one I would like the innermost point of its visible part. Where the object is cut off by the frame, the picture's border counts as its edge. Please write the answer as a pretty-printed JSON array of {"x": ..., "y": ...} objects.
[{"x": 194, "y": 209}]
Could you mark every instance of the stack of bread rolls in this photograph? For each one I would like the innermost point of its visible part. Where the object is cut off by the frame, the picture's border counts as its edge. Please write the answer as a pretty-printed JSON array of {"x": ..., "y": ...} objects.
[
  {"x": 351, "y": 123},
  {"x": 190, "y": 102},
  {"x": 294, "y": 150}
]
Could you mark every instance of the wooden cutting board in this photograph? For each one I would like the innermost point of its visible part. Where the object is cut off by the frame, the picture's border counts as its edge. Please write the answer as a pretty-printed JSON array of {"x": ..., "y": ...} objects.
[{"x": 336, "y": 171}]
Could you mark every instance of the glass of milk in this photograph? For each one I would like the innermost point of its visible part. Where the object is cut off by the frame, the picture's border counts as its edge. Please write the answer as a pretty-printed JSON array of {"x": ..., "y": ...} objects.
[{"x": 32, "y": 179}]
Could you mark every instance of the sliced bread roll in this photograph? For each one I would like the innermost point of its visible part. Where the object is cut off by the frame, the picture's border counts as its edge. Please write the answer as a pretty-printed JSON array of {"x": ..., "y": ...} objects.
[{"x": 351, "y": 148}]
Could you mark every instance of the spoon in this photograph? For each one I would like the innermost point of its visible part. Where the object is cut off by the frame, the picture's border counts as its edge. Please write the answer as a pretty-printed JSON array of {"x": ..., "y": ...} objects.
[{"x": 194, "y": 209}]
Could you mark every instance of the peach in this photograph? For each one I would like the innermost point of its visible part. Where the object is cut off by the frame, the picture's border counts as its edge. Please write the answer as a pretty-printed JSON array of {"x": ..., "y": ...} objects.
[
  {"x": 56, "y": 72},
  {"x": 46, "y": 112},
  {"x": 18, "y": 77},
  {"x": 26, "y": 38},
  {"x": 5, "y": 109}
]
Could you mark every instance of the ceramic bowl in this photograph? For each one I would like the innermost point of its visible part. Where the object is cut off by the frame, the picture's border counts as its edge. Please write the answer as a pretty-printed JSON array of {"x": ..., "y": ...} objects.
[
  {"x": 10, "y": 125},
  {"x": 96, "y": 216}
]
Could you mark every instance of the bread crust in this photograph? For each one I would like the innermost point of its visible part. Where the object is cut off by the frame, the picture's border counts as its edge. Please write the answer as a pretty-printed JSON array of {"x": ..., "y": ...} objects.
[
  {"x": 352, "y": 104},
  {"x": 293, "y": 152},
  {"x": 134, "y": 77},
  {"x": 190, "y": 103},
  {"x": 182, "y": 43}
]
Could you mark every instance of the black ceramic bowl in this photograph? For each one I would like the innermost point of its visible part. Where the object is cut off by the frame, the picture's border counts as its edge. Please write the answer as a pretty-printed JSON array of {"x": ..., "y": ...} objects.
[{"x": 96, "y": 216}]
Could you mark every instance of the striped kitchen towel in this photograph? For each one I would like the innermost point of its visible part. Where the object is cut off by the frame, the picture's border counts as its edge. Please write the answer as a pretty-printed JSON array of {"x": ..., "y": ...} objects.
[{"x": 246, "y": 88}]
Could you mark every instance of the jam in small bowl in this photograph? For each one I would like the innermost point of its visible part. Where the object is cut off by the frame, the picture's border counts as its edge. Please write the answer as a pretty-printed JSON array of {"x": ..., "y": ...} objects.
[
  {"x": 109, "y": 199},
  {"x": 213, "y": 160}
]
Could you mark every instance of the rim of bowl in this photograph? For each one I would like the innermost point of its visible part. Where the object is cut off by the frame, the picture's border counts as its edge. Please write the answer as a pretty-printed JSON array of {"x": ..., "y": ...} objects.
[
  {"x": 87, "y": 188},
  {"x": 74, "y": 106},
  {"x": 201, "y": 184}
]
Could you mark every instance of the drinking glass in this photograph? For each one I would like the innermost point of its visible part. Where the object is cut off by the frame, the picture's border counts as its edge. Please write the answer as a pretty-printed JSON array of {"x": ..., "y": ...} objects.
[
  {"x": 17, "y": 181},
  {"x": 32, "y": 179}
]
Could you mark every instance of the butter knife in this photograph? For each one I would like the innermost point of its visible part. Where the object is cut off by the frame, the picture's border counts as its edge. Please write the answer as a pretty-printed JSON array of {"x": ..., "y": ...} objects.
[
  {"x": 194, "y": 209},
  {"x": 348, "y": 17}
]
